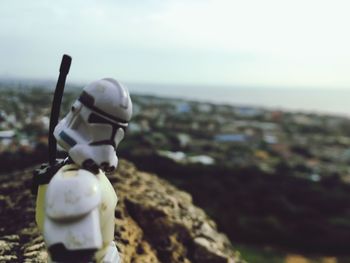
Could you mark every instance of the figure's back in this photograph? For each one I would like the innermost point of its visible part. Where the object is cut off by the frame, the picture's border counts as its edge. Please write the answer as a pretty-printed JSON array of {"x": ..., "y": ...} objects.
[{"x": 75, "y": 212}]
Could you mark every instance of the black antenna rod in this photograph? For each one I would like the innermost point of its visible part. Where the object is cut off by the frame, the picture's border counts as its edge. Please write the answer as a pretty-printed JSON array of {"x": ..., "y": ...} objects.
[{"x": 56, "y": 105}]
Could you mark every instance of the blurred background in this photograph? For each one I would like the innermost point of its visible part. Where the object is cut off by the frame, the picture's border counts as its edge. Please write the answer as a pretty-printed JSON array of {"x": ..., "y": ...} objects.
[{"x": 244, "y": 104}]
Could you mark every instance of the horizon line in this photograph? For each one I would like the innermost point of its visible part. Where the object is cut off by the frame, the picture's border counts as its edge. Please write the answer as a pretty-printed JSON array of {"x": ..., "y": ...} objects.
[{"x": 76, "y": 82}]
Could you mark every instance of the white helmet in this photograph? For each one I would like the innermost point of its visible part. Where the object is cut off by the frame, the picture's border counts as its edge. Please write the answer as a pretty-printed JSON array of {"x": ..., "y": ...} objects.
[{"x": 96, "y": 124}]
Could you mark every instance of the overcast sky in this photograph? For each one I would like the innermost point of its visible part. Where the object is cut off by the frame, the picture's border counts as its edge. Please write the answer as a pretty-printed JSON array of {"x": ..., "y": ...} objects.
[{"x": 277, "y": 43}]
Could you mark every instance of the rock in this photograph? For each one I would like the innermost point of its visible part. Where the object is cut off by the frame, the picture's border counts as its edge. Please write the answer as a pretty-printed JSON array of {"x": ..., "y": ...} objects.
[
  {"x": 155, "y": 222},
  {"x": 9, "y": 246}
]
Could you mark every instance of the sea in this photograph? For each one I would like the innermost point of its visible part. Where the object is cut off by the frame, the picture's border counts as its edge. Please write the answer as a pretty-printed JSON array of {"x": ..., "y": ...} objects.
[{"x": 330, "y": 101}]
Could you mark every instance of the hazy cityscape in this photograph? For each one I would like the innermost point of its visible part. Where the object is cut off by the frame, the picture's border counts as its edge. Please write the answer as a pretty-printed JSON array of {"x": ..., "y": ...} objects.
[
  {"x": 306, "y": 145},
  {"x": 268, "y": 177}
]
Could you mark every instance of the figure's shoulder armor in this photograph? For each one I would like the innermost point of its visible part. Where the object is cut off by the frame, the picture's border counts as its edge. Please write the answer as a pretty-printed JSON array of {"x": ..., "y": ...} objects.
[
  {"x": 72, "y": 193},
  {"x": 45, "y": 172}
]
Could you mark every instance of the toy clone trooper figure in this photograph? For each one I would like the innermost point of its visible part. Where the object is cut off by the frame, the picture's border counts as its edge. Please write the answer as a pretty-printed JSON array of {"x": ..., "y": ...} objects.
[{"x": 75, "y": 210}]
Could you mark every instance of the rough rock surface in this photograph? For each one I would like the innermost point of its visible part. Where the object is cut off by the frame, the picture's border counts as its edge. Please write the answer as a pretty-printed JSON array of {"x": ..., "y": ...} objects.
[{"x": 155, "y": 222}]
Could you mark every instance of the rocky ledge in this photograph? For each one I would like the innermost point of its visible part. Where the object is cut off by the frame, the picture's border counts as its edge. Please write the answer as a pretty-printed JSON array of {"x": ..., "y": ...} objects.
[{"x": 155, "y": 222}]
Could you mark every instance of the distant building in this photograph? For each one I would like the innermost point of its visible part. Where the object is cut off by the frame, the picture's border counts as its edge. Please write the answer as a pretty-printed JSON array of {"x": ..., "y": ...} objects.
[
  {"x": 6, "y": 137},
  {"x": 3, "y": 116},
  {"x": 184, "y": 139},
  {"x": 247, "y": 112},
  {"x": 45, "y": 122},
  {"x": 176, "y": 156},
  {"x": 231, "y": 138},
  {"x": 183, "y": 107},
  {"x": 134, "y": 127},
  {"x": 270, "y": 139},
  {"x": 203, "y": 159},
  {"x": 181, "y": 157},
  {"x": 302, "y": 119},
  {"x": 315, "y": 177},
  {"x": 7, "y": 134},
  {"x": 205, "y": 107}
]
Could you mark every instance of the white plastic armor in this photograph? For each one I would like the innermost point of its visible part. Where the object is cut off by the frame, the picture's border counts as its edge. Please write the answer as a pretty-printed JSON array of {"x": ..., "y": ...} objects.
[
  {"x": 75, "y": 211},
  {"x": 79, "y": 212},
  {"x": 71, "y": 207},
  {"x": 98, "y": 118}
]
